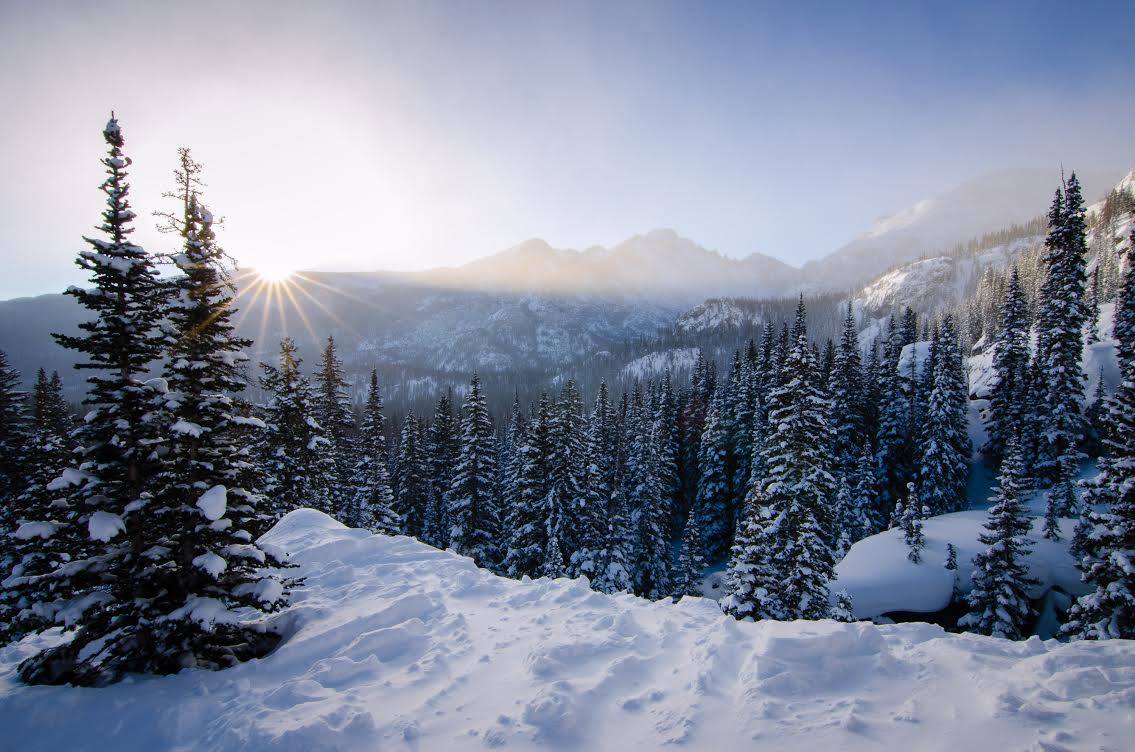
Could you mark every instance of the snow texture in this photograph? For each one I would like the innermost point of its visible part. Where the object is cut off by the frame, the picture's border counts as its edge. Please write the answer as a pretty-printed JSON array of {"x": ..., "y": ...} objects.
[
  {"x": 391, "y": 644},
  {"x": 213, "y": 503},
  {"x": 105, "y": 525}
]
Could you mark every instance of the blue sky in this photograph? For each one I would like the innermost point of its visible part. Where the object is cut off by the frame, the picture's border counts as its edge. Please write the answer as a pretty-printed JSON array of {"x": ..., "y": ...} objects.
[{"x": 407, "y": 135}]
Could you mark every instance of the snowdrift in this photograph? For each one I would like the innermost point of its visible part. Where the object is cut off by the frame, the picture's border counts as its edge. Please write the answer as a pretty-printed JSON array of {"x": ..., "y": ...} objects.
[{"x": 391, "y": 644}]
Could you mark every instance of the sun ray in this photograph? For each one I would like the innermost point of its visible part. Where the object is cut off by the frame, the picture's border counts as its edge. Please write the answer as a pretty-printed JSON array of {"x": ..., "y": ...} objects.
[
  {"x": 287, "y": 290},
  {"x": 336, "y": 290},
  {"x": 323, "y": 307}
]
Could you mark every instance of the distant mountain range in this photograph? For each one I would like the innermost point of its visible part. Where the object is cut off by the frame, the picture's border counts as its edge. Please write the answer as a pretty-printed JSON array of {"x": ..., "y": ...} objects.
[{"x": 538, "y": 310}]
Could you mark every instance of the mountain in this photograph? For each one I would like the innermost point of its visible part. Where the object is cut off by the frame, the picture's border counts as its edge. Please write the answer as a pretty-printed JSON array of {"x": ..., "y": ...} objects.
[
  {"x": 659, "y": 265},
  {"x": 936, "y": 224}
]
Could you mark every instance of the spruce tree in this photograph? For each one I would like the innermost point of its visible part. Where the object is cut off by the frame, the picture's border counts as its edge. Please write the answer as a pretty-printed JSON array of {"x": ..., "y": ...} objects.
[
  {"x": 334, "y": 414},
  {"x": 568, "y": 432},
  {"x": 944, "y": 467},
  {"x": 1010, "y": 362},
  {"x": 411, "y": 482},
  {"x": 1060, "y": 327},
  {"x": 714, "y": 496},
  {"x": 589, "y": 558},
  {"x": 442, "y": 458},
  {"x": 910, "y": 517},
  {"x": 1108, "y": 612},
  {"x": 845, "y": 391},
  {"x": 14, "y": 437},
  {"x": 199, "y": 521},
  {"x": 650, "y": 515},
  {"x": 752, "y": 584},
  {"x": 372, "y": 504},
  {"x": 115, "y": 447},
  {"x": 691, "y": 560},
  {"x": 299, "y": 470},
  {"x": 527, "y": 518},
  {"x": 472, "y": 499},
  {"x": 999, "y": 602}
]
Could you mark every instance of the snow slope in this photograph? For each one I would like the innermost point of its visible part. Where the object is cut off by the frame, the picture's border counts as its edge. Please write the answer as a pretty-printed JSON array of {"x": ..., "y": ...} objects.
[{"x": 391, "y": 644}]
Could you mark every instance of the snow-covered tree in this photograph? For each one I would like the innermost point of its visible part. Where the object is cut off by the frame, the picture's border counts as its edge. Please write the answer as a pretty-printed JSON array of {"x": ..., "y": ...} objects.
[
  {"x": 1060, "y": 334},
  {"x": 372, "y": 503},
  {"x": 1010, "y": 363},
  {"x": 410, "y": 481},
  {"x": 334, "y": 413},
  {"x": 599, "y": 479},
  {"x": 999, "y": 602},
  {"x": 527, "y": 518},
  {"x": 443, "y": 453},
  {"x": 299, "y": 470},
  {"x": 115, "y": 443},
  {"x": 944, "y": 467},
  {"x": 691, "y": 559},
  {"x": 568, "y": 433},
  {"x": 845, "y": 390},
  {"x": 650, "y": 515},
  {"x": 910, "y": 516},
  {"x": 1108, "y": 544},
  {"x": 752, "y": 586},
  {"x": 844, "y": 609},
  {"x": 14, "y": 436},
  {"x": 472, "y": 499},
  {"x": 714, "y": 503}
]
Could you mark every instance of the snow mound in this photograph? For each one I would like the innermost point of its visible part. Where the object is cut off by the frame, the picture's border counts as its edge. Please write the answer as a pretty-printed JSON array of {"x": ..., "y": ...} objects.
[{"x": 391, "y": 644}]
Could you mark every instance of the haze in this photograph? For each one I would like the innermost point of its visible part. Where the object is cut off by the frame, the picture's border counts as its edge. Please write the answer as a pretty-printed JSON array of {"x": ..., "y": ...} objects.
[{"x": 412, "y": 135}]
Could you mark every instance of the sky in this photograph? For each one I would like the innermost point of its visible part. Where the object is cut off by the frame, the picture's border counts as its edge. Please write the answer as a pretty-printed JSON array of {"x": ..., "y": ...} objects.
[{"x": 416, "y": 134}]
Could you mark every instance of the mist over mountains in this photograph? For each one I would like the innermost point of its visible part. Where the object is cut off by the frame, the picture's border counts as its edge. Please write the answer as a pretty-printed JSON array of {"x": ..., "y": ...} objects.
[{"x": 540, "y": 310}]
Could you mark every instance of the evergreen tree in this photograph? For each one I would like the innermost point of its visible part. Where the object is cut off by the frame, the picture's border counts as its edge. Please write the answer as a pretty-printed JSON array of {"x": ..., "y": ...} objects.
[
  {"x": 944, "y": 469},
  {"x": 298, "y": 467},
  {"x": 1060, "y": 327},
  {"x": 893, "y": 459},
  {"x": 650, "y": 516},
  {"x": 999, "y": 602},
  {"x": 691, "y": 561},
  {"x": 714, "y": 496},
  {"x": 14, "y": 437},
  {"x": 115, "y": 448},
  {"x": 411, "y": 482},
  {"x": 443, "y": 454},
  {"x": 333, "y": 412},
  {"x": 910, "y": 517},
  {"x": 1108, "y": 612},
  {"x": 843, "y": 610},
  {"x": 845, "y": 391},
  {"x": 372, "y": 505},
  {"x": 527, "y": 518},
  {"x": 568, "y": 433},
  {"x": 599, "y": 479},
  {"x": 752, "y": 586},
  {"x": 472, "y": 499},
  {"x": 1010, "y": 362}
]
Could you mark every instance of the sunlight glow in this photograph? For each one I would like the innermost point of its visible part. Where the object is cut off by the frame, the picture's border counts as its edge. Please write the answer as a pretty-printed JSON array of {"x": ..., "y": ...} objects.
[{"x": 274, "y": 273}]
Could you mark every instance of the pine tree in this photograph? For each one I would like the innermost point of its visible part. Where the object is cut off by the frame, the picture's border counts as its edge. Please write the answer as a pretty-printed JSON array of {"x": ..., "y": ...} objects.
[
  {"x": 14, "y": 437},
  {"x": 372, "y": 505},
  {"x": 691, "y": 561},
  {"x": 197, "y": 537},
  {"x": 714, "y": 497},
  {"x": 599, "y": 479},
  {"x": 845, "y": 391},
  {"x": 650, "y": 516},
  {"x": 844, "y": 609},
  {"x": 1010, "y": 362},
  {"x": 410, "y": 482},
  {"x": 944, "y": 469},
  {"x": 442, "y": 458},
  {"x": 1108, "y": 612},
  {"x": 1060, "y": 327},
  {"x": 115, "y": 445},
  {"x": 894, "y": 454},
  {"x": 333, "y": 412},
  {"x": 298, "y": 467},
  {"x": 527, "y": 517},
  {"x": 472, "y": 499},
  {"x": 752, "y": 586},
  {"x": 910, "y": 517},
  {"x": 568, "y": 432},
  {"x": 999, "y": 602},
  {"x": 791, "y": 512}
]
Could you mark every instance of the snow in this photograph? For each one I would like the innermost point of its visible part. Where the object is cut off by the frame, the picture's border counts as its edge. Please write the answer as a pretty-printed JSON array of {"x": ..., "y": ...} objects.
[
  {"x": 70, "y": 477},
  {"x": 29, "y": 530},
  {"x": 656, "y": 363},
  {"x": 187, "y": 428},
  {"x": 105, "y": 525},
  {"x": 391, "y": 644},
  {"x": 880, "y": 579},
  {"x": 211, "y": 563},
  {"x": 213, "y": 503}
]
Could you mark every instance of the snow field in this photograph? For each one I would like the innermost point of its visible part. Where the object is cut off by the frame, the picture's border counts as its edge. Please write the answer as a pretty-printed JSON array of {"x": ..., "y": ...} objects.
[{"x": 391, "y": 644}]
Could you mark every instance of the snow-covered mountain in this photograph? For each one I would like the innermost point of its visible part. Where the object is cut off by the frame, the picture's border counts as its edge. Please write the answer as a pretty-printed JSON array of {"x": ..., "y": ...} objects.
[
  {"x": 392, "y": 644},
  {"x": 660, "y": 265},
  {"x": 936, "y": 224}
]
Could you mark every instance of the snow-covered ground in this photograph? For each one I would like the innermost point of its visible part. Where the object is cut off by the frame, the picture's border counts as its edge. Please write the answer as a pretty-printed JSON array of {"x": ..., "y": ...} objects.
[{"x": 391, "y": 644}]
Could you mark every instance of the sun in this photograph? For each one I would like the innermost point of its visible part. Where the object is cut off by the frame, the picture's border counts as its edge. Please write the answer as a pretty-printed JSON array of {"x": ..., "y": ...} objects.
[{"x": 273, "y": 273}]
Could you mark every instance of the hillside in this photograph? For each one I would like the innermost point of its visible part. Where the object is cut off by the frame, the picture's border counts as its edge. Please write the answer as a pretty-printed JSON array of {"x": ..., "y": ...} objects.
[{"x": 391, "y": 644}]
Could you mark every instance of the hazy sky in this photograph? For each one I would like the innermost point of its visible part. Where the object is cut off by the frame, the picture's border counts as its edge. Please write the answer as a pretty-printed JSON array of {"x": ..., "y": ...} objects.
[{"x": 414, "y": 134}]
